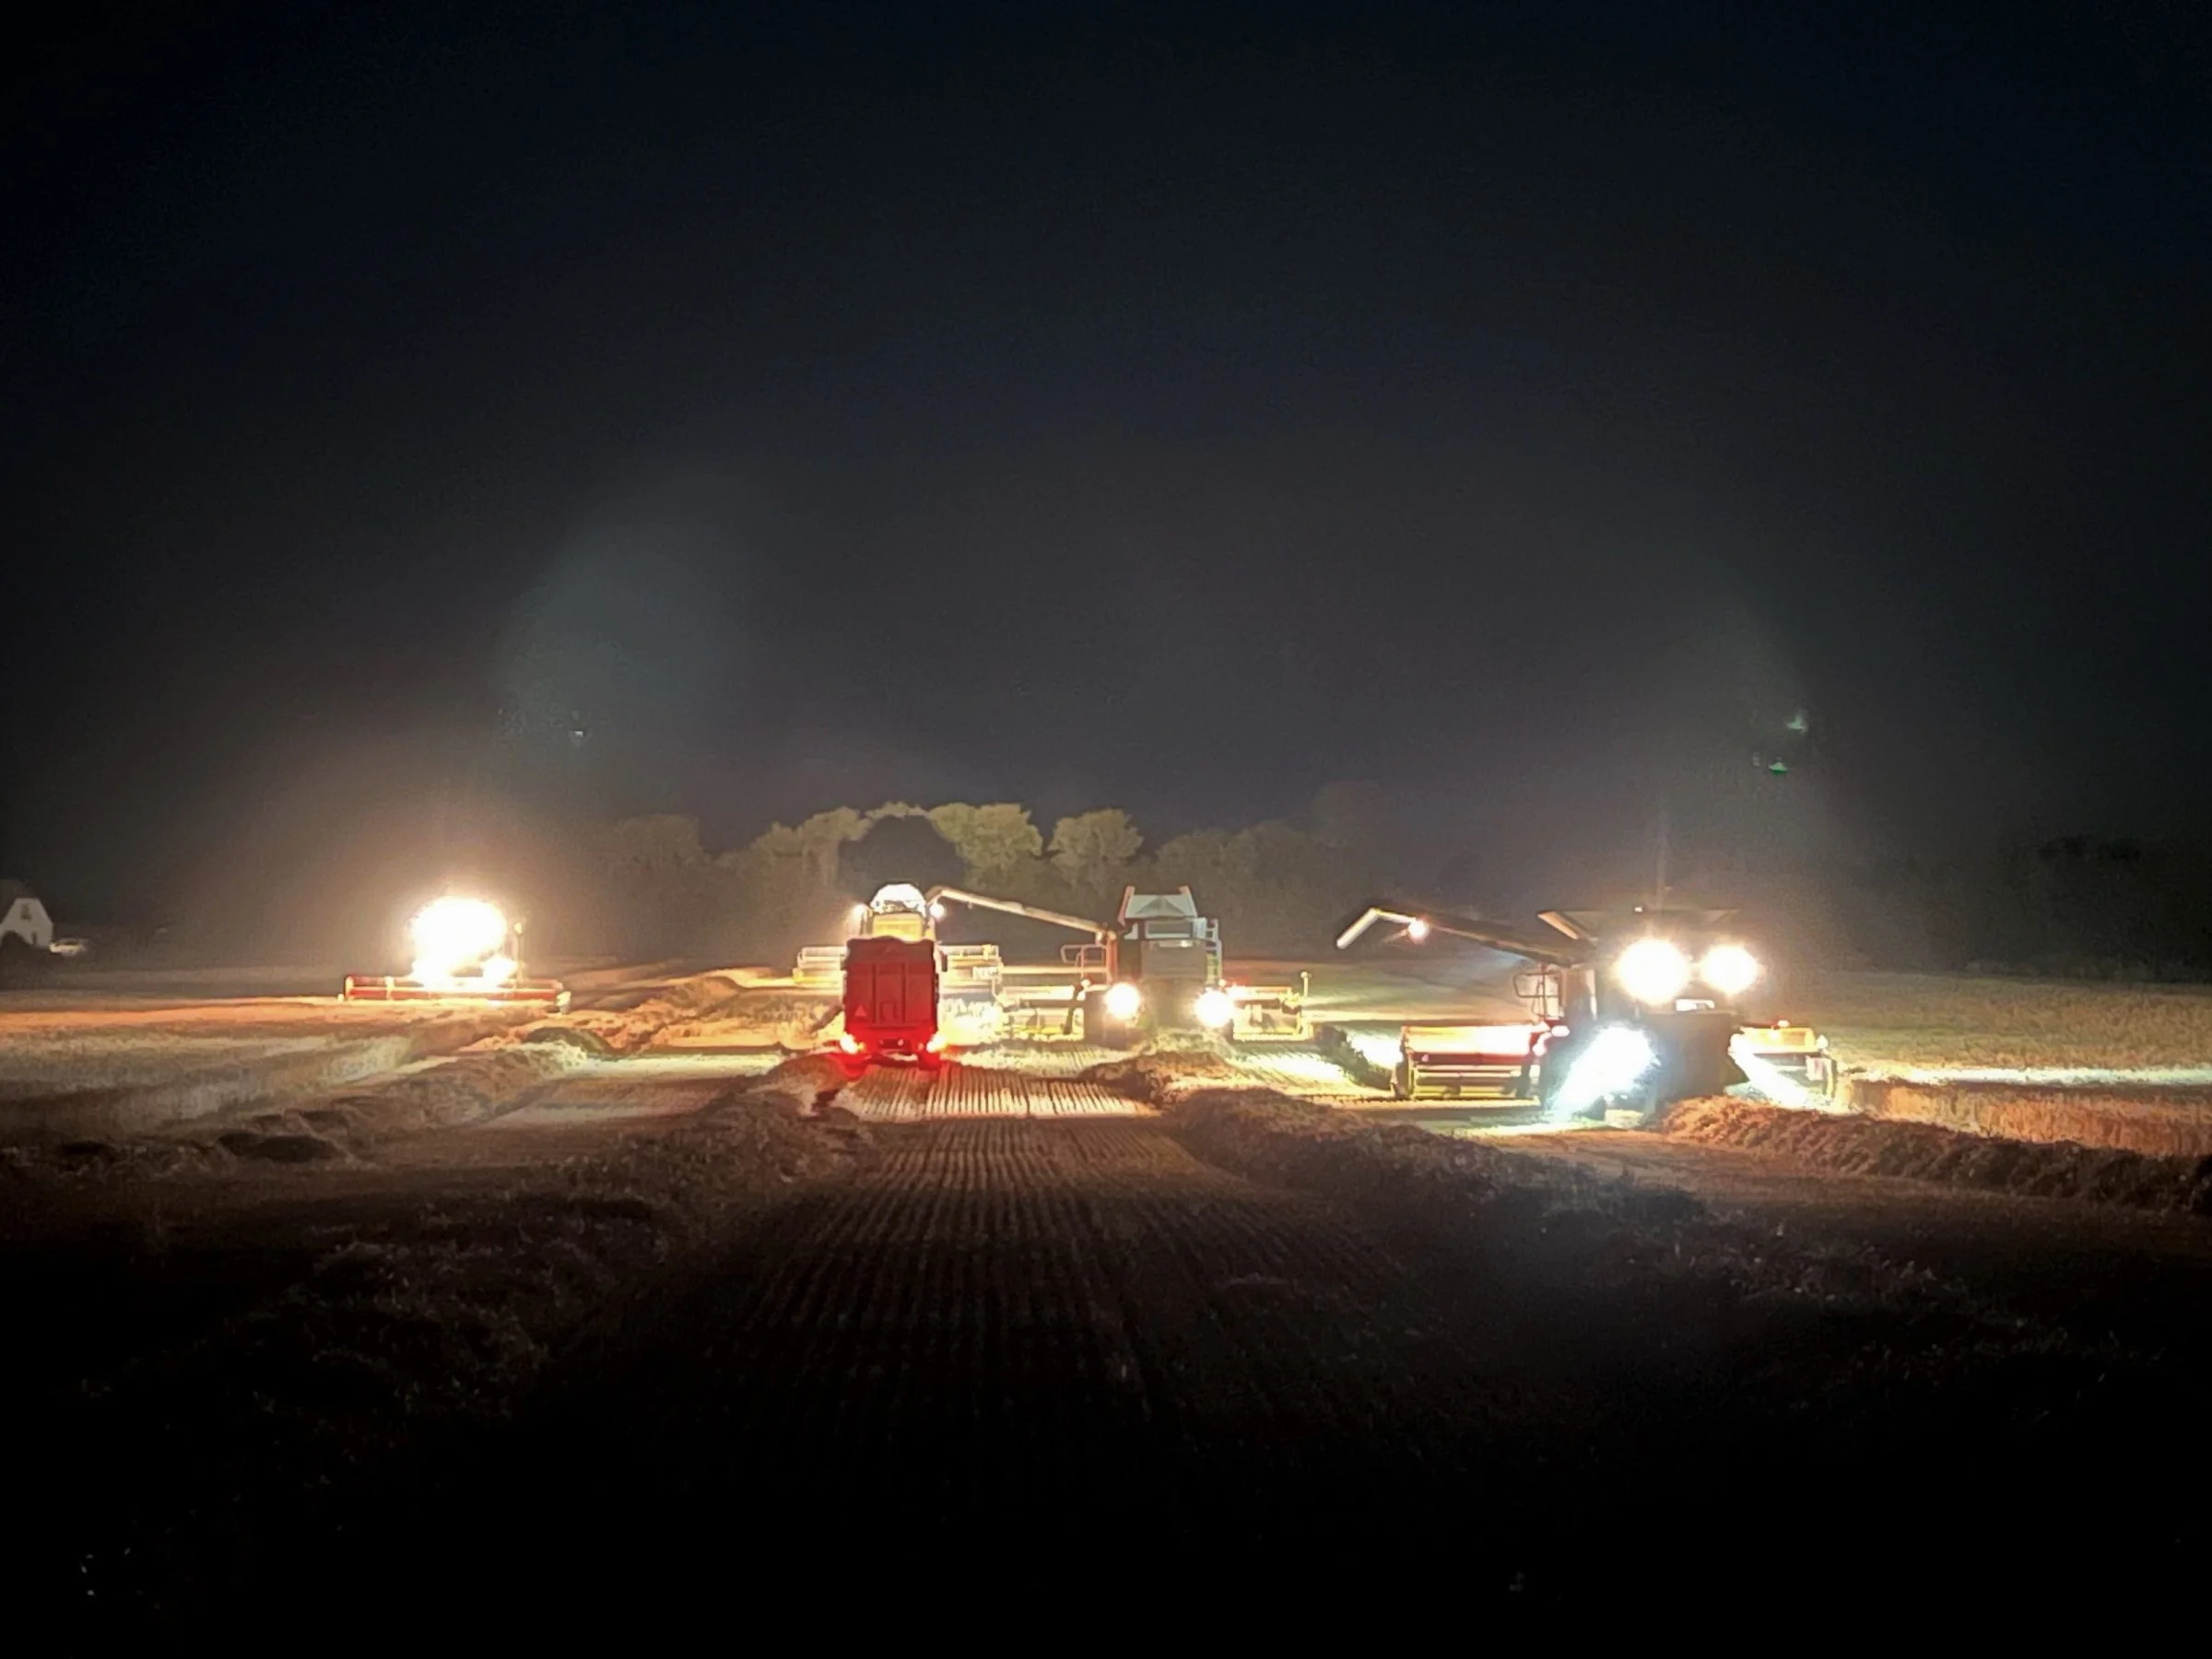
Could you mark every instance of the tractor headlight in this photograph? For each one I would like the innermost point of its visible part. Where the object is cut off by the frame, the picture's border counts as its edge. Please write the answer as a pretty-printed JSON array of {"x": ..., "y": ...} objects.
[
  {"x": 1653, "y": 970},
  {"x": 1730, "y": 969},
  {"x": 1416, "y": 930},
  {"x": 1123, "y": 1000},
  {"x": 1215, "y": 1008}
]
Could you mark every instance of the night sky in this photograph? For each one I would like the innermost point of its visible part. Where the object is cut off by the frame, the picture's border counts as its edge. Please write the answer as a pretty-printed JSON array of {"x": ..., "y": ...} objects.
[{"x": 740, "y": 412}]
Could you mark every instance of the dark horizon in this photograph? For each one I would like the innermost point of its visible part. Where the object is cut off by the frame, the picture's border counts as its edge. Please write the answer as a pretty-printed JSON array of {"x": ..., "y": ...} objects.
[{"x": 617, "y": 411}]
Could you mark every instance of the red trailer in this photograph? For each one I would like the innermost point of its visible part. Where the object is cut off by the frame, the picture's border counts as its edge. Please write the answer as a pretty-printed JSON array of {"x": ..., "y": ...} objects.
[{"x": 891, "y": 1002}]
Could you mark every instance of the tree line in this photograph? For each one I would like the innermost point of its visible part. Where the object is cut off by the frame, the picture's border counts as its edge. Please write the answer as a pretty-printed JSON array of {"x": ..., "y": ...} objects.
[{"x": 657, "y": 888}]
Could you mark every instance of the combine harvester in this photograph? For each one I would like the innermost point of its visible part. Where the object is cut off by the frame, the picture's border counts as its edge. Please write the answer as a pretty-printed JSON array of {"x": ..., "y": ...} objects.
[
  {"x": 1156, "y": 968},
  {"x": 465, "y": 950},
  {"x": 1629, "y": 1010}
]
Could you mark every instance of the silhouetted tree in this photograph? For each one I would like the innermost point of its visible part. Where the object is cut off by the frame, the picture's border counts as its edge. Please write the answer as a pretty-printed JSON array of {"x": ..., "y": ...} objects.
[
  {"x": 898, "y": 848},
  {"x": 1092, "y": 853}
]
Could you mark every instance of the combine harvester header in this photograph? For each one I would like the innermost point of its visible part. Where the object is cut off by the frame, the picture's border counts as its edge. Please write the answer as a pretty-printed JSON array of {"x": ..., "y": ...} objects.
[{"x": 465, "y": 950}]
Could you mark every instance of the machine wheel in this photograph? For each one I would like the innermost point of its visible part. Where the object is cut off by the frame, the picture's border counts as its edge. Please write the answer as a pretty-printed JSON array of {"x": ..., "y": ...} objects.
[
  {"x": 1549, "y": 1079},
  {"x": 1101, "y": 1030},
  {"x": 1644, "y": 1101}
]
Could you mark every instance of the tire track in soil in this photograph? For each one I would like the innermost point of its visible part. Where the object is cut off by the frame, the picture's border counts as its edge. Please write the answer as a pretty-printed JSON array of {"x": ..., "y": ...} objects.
[
  {"x": 887, "y": 1094},
  {"x": 1025, "y": 1331}
]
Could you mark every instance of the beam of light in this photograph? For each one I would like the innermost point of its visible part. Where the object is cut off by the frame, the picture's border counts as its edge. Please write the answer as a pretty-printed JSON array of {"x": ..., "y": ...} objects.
[
  {"x": 1123, "y": 1000},
  {"x": 1774, "y": 1084},
  {"x": 1215, "y": 1008},
  {"x": 1616, "y": 1060},
  {"x": 1416, "y": 930},
  {"x": 1377, "y": 1048}
]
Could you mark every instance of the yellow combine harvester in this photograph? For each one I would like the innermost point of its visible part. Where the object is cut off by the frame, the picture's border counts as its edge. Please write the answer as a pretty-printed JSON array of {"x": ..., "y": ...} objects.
[{"x": 465, "y": 950}]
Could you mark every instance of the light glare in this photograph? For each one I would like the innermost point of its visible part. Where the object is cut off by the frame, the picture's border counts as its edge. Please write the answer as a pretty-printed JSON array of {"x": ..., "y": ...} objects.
[
  {"x": 1377, "y": 1048},
  {"x": 1730, "y": 969},
  {"x": 1215, "y": 1008},
  {"x": 1616, "y": 1060},
  {"x": 453, "y": 934},
  {"x": 1653, "y": 970}
]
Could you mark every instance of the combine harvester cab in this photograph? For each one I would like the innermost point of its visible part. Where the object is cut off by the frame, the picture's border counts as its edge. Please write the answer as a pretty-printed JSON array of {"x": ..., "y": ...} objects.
[{"x": 465, "y": 950}]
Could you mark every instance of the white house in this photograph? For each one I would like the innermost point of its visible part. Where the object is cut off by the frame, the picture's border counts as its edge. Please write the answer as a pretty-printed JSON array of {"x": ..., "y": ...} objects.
[{"x": 23, "y": 917}]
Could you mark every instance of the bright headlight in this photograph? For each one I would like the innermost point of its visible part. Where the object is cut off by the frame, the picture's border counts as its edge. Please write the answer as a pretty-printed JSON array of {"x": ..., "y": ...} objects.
[
  {"x": 1123, "y": 1000},
  {"x": 1416, "y": 930},
  {"x": 1729, "y": 969},
  {"x": 453, "y": 934},
  {"x": 1653, "y": 970},
  {"x": 1215, "y": 1008}
]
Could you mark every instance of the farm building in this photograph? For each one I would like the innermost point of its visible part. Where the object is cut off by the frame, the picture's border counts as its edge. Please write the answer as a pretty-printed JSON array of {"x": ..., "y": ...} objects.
[{"x": 23, "y": 917}]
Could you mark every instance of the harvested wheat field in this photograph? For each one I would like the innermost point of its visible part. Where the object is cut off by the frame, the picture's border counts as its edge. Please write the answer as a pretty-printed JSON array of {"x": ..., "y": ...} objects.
[{"x": 597, "y": 1301}]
